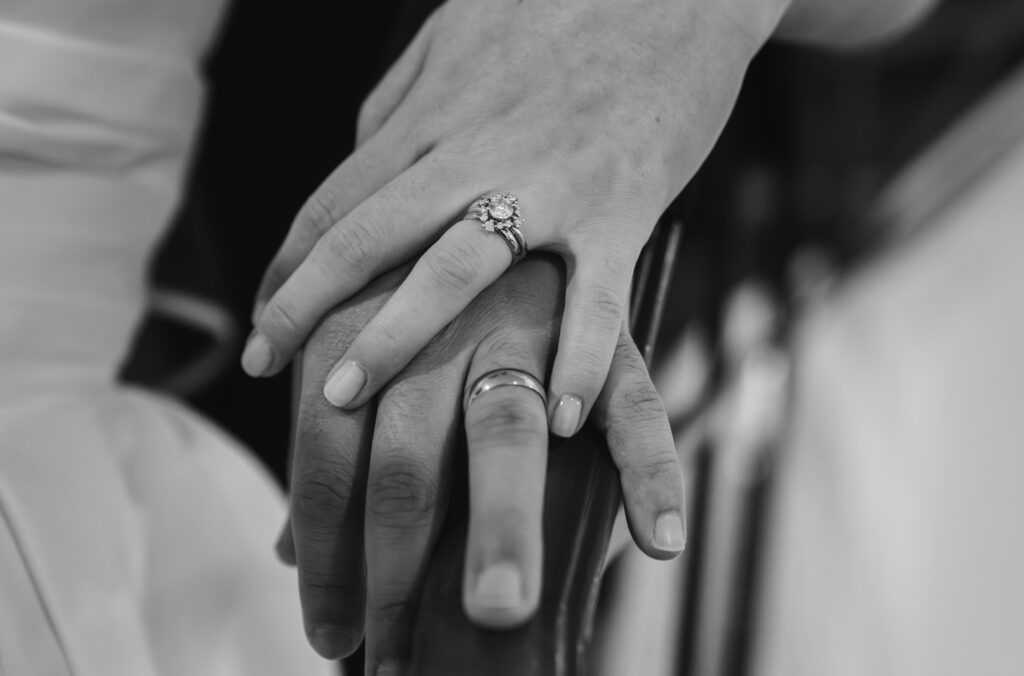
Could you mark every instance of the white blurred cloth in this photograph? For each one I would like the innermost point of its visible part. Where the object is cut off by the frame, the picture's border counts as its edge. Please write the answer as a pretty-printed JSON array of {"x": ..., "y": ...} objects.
[
  {"x": 895, "y": 546},
  {"x": 898, "y": 547},
  {"x": 135, "y": 538}
]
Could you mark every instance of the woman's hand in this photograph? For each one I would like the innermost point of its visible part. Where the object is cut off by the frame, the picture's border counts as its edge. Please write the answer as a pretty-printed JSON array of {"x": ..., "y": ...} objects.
[
  {"x": 369, "y": 488},
  {"x": 595, "y": 113}
]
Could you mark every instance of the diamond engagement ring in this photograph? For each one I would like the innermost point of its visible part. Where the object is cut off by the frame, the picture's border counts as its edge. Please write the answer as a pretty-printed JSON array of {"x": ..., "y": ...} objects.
[{"x": 500, "y": 213}]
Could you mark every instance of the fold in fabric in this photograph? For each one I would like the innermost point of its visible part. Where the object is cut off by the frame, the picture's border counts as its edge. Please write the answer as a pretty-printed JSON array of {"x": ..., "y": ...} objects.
[{"x": 135, "y": 537}]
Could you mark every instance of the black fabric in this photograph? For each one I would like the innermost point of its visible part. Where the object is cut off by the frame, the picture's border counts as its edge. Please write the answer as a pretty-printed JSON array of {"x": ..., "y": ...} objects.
[{"x": 285, "y": 84}]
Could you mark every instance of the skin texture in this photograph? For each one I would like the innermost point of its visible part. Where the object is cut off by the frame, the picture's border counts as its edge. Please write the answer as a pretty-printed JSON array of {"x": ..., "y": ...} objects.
[
  {"x": 596, "y": 113},
  {"x": 595, "y": 148},
  {"x": 369, "y": 486}
]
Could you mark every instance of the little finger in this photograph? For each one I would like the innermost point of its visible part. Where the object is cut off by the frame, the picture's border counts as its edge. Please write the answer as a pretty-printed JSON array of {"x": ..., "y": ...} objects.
[
  {"x": 632, "y": 417},
  {"x": 595, "y": 304}
]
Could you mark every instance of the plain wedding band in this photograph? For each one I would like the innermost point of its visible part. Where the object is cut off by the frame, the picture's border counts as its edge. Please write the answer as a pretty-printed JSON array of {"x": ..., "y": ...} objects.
[{"x": 503, "y": 378}]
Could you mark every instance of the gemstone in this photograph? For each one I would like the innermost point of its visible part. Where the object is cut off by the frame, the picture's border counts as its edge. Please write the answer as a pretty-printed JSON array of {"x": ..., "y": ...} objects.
[{"x": 500, "y": 208}]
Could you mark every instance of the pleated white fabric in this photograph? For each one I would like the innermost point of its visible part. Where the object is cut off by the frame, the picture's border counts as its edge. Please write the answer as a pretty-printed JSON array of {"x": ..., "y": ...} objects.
[{"x": 135, "y": 538}]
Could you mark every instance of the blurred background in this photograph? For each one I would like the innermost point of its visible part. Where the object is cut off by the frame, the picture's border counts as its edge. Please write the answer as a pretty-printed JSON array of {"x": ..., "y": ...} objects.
[
  {"x": 813, "y": 141},
  {"x": 788, "y": 206}
]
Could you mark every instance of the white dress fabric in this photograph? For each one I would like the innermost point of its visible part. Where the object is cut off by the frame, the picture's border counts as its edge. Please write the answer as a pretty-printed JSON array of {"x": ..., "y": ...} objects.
[
  {"x": 895, "y": 545},
  {"x": 135, "y": 538},
  {"x": 898, "y": 548}
]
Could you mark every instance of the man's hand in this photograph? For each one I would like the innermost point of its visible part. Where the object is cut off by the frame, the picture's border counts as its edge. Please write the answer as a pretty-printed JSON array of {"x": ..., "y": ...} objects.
[{"x": 369, "y": 487}]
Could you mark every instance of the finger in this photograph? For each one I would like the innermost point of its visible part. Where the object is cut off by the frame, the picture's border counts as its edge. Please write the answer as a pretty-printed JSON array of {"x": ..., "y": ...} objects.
[
  {"x": 633, "y": 419},
  {"x": 380, "y": 233},
  {"x": 285, "y": 546},
  {"x": 394, "y": 86},
  {"x": 506, "y": 431},
  {"x": 362, "y": 174},
  {"x": 328, "y": 477},
  {"x": 327, "y": 524},
  {"x": 460, "y": 265},
  {"x": 416, "y": 430},
  {"x": 595, "y": 305}
]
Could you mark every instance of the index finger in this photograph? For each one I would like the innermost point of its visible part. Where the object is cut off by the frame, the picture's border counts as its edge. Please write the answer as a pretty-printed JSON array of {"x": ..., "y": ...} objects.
[{"x": 373, "y": 165}]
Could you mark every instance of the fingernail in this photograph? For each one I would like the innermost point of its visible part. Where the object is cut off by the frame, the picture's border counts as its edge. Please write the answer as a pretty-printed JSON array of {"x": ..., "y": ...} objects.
[
  {"x": 344, "y": 384},
  {"x": 331, "y": 642},
  {"x": 387, "y": 668},
  {"x": 668, "y": 533},
  {"x": 257, "y": 356},
  {"x": 499, "y": 586},
  {"x": 566, "y": 417}
]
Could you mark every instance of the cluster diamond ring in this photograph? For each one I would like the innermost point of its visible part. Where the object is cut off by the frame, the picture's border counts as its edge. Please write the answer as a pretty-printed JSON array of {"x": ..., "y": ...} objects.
[{"x": 500, "y": 213}]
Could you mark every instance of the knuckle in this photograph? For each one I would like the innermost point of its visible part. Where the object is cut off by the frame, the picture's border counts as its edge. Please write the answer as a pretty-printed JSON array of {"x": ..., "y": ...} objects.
[
  {"x": 604, "y": 304},
  {"x": 643, "y": 402},
  {"x": 393, "y": 610},
  {"x": 318, "y": 212},
  {"x": 510, "y": 419},
  {"x": 322, "y": 496},
  {"x": 280, "y": 317},
  {"x": 652, "y": 469},
  {"x": 586, "y": 362},
  {"x": 638, "y": 409},
  {"x": 453, "y": 265},
  {"x": 353, "y": 247},
  {"x": 385, "y": 335},
  {"x": 455, "y": 155},
  {"x": 328, "y": 585},
  {"x": 518, "y": 346},
  {"x": 273, "y": 279},
  {"x": 403, "y": 494}
]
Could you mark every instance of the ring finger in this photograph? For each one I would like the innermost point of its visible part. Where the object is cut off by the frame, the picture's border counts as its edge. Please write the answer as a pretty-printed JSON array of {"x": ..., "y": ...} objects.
[{"x": 506, "y": 431}]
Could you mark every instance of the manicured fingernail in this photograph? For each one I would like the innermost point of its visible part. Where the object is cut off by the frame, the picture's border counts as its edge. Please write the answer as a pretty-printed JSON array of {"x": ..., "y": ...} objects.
[
  {"x": 344, "y": 384},
  {"x": 258, "y": 355},
  {"x": 668, "y": 532},
  {"x": 566, "y": 416},
  {"x": 331, "y": 642},
  {"x": 387, "y": 668},
  {"x": 500, "y": 585}
]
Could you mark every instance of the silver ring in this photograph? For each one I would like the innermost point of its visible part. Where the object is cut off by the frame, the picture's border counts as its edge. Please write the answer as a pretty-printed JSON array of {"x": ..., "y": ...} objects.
[
  {"x": 500, "y": 213},
  {"x": 503, "y": 378}
]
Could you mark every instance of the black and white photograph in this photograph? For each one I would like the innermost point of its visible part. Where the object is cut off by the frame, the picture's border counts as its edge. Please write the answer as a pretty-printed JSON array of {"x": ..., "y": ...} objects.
[{"x": 512, "y": 338}]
